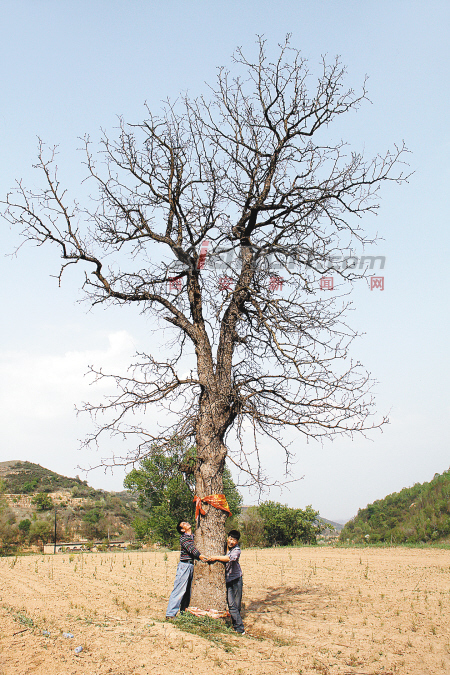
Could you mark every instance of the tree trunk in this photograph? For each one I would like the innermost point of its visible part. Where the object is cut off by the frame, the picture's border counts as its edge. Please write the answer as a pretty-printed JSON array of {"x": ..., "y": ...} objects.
[{"x": 208, "y": 585}]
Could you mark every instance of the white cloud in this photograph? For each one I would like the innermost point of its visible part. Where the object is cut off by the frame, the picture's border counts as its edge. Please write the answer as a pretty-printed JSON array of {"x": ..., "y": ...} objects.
[
  {"x": 46, "y": 386},
  {"x": 38, "y": 394}
]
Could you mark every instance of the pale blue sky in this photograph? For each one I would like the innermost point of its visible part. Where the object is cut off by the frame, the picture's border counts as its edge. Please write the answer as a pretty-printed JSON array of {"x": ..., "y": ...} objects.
[{"x": 71, "y": 68}]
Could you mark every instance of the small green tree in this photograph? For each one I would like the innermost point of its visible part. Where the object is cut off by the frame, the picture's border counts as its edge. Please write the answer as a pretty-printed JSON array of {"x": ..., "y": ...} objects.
[
  {"x": 9, "y": 536},
  {"x": 234, "y": 497},
  {"x": 141, "y": 528},
  {"x": 9, "y": 532},
  {"x": 40, "y": 530},
  {"x": 92, "y": 516},
  {"x": 29, "y": 486},
  {"x": 24, "y": 527},
  {"x": 284, "y": 526},
  {"x": 252, "y": 528},
  {"x": 94, "y": 524},
  {"x": 42, "y": 502}
]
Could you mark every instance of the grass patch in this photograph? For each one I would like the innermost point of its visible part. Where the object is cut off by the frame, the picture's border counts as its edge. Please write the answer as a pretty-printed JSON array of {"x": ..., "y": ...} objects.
[
  {"x": 281, "y": 642},
  {"x": 23, "y": 619},
  {"x": 203, "y": 626},
  {"x": 19, "y": 616}
]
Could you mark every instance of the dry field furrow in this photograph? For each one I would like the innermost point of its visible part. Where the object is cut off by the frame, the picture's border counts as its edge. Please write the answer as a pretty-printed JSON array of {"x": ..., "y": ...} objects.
[{"x": 307, "y": 611}]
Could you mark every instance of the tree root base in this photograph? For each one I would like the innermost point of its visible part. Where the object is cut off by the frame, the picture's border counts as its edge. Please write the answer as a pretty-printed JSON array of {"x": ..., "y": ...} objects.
[{"x": 212, "y": 613}]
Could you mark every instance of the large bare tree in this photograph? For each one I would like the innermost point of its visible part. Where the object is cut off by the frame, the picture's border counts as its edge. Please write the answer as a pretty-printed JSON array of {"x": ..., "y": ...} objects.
[{"x": 218, "y": 217}]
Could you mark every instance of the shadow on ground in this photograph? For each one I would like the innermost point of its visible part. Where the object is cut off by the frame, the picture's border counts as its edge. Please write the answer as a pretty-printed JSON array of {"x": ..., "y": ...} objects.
[{"x": 280, "y": 597}]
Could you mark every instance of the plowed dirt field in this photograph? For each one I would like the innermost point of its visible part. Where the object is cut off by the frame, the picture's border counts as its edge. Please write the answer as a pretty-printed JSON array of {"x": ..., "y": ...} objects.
[{"x": 307, "y": 610}]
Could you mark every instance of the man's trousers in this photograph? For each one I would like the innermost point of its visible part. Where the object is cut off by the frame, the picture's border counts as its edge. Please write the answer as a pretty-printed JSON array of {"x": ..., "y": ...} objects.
[{"x": 181, "y": 594}]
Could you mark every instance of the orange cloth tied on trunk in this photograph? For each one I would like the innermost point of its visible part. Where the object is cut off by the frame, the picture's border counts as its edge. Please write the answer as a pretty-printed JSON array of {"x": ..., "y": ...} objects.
[{"x": 218, "y": 501}]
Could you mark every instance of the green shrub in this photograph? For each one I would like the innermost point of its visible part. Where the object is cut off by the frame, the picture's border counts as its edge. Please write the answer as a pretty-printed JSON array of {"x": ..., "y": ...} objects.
[
  {"x": 24, "y": 526},
  {"x": 42, "y": 502}
]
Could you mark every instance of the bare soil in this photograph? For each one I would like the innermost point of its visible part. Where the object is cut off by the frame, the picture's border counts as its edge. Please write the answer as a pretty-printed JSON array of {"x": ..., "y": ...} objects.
[{"x": 307, "y": 610}]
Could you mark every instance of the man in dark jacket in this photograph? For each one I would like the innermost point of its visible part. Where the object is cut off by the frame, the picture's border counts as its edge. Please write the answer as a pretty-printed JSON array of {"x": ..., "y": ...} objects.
[{"x": 181, "y": 594}]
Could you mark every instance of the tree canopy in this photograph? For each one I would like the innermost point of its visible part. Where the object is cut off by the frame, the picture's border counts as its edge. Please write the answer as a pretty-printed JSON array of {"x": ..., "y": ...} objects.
[
  {"x": 42, "y": 501},
  {"x": 250, "y": 176},
  {"x": 284, "y": 525}
]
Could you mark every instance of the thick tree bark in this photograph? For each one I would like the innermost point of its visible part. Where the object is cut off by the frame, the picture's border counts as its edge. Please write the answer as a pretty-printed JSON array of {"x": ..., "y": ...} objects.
[{"x": 208, "y": 585}]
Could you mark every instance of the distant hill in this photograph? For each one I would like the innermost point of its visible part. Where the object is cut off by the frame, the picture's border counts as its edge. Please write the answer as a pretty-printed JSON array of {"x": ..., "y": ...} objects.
[
  {"x": 337, "y": 526},
  {"x": 420, "y": 513},
  {"x": 32, "y": 492},
  {"x": 28, "y": 478}
]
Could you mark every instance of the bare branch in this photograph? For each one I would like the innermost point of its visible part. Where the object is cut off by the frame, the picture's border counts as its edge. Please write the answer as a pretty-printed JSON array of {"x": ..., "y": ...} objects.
[{"x": 227, "y": 187}]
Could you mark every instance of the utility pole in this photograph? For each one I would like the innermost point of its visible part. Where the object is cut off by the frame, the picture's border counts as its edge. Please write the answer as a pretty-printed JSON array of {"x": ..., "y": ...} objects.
[{"x": 54, "y": 548}]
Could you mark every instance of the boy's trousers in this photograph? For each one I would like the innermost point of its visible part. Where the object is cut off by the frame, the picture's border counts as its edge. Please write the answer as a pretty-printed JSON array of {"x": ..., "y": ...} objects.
[{"x": 234, "y": 598}]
